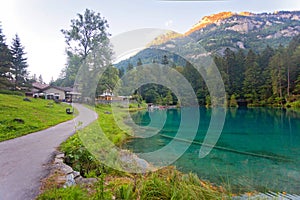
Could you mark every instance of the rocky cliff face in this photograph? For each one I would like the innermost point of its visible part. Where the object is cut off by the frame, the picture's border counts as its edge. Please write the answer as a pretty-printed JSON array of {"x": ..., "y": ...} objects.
[
  {"x": 246, "y": 30},
  {"x": 208, "y": 20},
  {"x": 231, "y": 30}
]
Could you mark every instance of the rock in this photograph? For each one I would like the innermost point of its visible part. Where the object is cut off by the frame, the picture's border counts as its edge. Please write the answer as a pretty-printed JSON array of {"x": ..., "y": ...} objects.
[
  {"x": 133, "y": 163},
  {"x": 69, "y": 176},
  {"x": 21, "y": 121},
  {"x": 66, "y": 169},
  {"x": 70, "y": 181},
  {"x": 58, "y": 160},
  {"x": 76, "y": 174},
  {"x": 78, "y": 179},
  {"x": 61, "y": 156},
  {"x": 26, "y": 99}
]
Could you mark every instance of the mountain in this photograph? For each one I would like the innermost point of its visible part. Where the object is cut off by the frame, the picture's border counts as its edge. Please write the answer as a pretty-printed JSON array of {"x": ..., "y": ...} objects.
[
  {"x": 231, "y": 30},
  {"x": 246, "y": 30}
]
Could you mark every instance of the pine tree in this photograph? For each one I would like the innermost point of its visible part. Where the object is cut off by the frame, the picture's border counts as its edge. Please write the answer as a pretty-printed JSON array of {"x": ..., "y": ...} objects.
[
  {"x": 238, "y": 73},
  {"x": 41, "y": 79},
  {"x": 265, "y": 88},
  {"x": 278, "y": 72},
  {"x": 295, "y": 67},
  {"x": 19, "y": 68},
  {"x": 230, "y": 69},
  {"x": 252, "y": 76},
  {"x": 5, "y": 63}
]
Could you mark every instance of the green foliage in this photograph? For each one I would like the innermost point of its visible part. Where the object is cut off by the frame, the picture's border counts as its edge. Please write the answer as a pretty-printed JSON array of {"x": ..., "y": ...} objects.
[
  {"x": 89, "y": 53},
  {"x": 125, "y": 192},
  {"x": 170, "y": 184},
  {"x": 268, "y": 78},
  {"x": 233, "y": 102},
  {"x": 151, "y": 96},
  {"x": 79, "y": 157},
  {"x": 19, "y": 68},
  {"x": 70, "y": 193},
  {"x": 295, "y": 104},
  {"x": 77, "y": 39},
  {"x": 168, "y": 100},
  {"x": 265, "y": 69},
  {"x": 5, "y": 63},
  {"x": 208, "y": 101},
  {"x": 10, "y": 92},
  {"x": 255, "y": 77},
  {"x": 108, "y": 80},
  {"x": 19, "y": 117}
]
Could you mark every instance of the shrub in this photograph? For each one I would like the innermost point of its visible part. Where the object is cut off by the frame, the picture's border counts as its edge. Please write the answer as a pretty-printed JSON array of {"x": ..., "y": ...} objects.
[{"x": 9, "y": 92}]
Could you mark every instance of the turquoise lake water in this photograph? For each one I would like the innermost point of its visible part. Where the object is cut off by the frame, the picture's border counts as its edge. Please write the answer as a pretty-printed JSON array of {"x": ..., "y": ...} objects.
[{"x": 259, "y": 148}]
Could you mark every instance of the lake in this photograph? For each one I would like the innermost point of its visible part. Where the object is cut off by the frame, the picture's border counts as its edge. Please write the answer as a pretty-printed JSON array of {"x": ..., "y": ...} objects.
[{"x": 259, "y": 148}]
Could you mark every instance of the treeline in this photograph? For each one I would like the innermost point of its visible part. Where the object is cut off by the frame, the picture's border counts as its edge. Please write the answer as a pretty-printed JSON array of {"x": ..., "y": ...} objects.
[
  {"x": 13, "y": 65},
  {"x": 270, "y": 77}
]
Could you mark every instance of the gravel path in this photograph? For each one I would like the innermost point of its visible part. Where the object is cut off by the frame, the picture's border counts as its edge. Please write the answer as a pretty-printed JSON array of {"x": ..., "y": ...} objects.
[{"x": 23, "y": 161}]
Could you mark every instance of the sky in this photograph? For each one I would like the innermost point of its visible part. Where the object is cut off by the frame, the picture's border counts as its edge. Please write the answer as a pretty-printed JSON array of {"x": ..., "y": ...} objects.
[{"x": 38, "y": 22}]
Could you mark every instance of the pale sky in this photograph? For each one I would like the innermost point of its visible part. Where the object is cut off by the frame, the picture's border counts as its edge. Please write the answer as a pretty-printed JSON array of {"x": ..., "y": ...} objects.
[{"x": 38, "y": 22}]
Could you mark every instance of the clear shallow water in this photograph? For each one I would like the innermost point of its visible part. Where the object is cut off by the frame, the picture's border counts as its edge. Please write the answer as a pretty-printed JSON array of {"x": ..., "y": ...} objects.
[{"x": 259, "y": 148}]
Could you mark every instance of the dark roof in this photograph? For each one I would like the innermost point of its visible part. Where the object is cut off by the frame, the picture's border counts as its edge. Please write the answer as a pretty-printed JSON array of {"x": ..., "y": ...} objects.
[
  {"x": 39, "y": 86},
  {"x": 65, "y": 89}
]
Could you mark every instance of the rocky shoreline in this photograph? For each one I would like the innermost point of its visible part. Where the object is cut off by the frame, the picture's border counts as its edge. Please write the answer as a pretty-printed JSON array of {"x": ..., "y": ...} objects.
[{"x": 62, "y": 175}]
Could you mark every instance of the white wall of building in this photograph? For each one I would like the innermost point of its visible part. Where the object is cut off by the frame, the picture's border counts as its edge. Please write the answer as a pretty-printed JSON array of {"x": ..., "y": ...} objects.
[{"x": 55, "y": 91}]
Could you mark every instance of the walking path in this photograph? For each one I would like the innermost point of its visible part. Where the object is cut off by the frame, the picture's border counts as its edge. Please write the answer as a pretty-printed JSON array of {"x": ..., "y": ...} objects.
[{"x": 23, "y": 161}]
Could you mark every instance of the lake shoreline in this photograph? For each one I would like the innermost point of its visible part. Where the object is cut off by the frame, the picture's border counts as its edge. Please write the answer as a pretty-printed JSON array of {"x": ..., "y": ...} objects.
[{"x": 286, "y": 111}]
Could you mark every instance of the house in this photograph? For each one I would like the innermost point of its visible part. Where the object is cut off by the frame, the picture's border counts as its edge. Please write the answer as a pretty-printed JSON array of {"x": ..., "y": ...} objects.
[
  {"x": 61, "y": 93},
  {"x": 58, "y": 93},
  {"x": 37, "y": 89},
  {"x": 107, "y": 95},
  {"x": 54, "y": 92}
]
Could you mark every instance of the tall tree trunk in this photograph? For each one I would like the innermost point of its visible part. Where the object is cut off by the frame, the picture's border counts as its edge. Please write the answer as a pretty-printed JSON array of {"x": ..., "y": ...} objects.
[{"x": 288, "y": 76}]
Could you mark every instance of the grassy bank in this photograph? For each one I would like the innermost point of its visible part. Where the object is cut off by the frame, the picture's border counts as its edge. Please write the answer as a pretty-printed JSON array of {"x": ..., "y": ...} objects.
[
  {"x": 19, "y": 117},
  {"x": 294, "y": 105},
  {"x": 167, "y": 183}
]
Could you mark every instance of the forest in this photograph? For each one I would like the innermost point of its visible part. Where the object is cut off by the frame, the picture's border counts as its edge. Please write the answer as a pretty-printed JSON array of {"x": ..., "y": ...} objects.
[
  {"x": 13, "y": 65},
  {"x": 267, "y": 78},
  {"x": 270, "y": 77}
]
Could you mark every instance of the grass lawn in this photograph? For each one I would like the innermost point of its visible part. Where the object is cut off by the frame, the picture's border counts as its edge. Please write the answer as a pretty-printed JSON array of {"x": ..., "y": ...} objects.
[{"x": 19, "y": 117}]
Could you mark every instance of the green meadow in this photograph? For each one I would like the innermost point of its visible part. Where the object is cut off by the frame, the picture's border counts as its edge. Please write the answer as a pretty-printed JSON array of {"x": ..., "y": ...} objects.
[{"x": 19, "y": 117}]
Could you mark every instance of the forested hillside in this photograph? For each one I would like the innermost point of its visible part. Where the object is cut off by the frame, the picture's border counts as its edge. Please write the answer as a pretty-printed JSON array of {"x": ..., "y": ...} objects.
[{"x": 269, "y": 77}]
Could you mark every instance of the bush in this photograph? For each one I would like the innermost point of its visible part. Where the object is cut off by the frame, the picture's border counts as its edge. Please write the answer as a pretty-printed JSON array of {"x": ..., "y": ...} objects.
[
  {"x": 9, "y": 92},
  {"x": 79, "y": 158}
]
